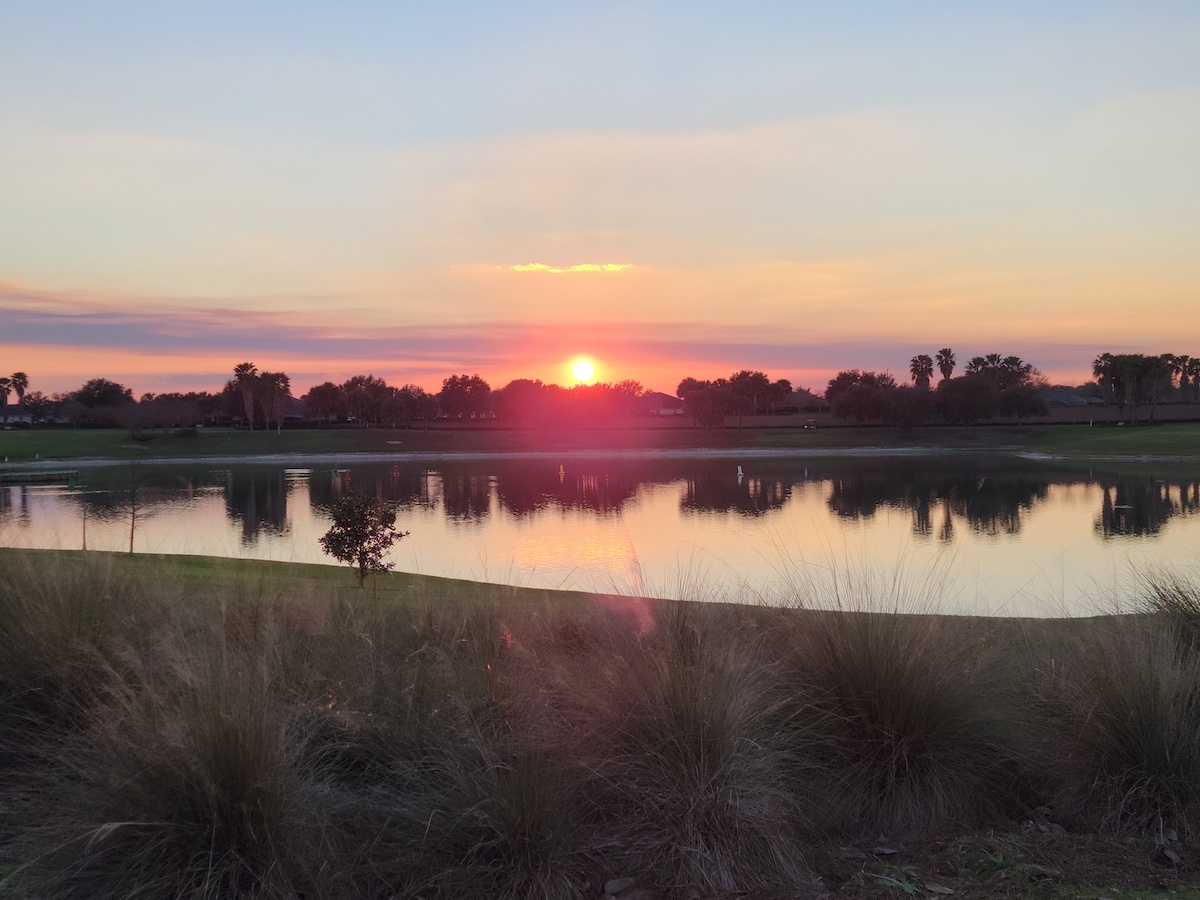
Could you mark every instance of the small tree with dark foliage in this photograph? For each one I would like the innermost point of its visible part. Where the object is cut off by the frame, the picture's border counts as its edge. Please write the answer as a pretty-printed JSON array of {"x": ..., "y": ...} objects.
[{"x": 364, "y": 528}]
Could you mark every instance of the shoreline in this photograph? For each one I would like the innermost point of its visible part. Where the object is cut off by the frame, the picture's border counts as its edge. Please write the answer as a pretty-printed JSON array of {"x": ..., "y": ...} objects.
[{"x": 92, "y": 462}]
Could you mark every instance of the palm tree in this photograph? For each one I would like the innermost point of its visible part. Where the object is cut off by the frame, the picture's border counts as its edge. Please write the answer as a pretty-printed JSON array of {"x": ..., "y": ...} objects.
[
  {"x": 1193, "y": 369},
  {"x": 1015, "y": 372},
  {"x": 945, "y": 362},
  {"x": 245, "y": 376},
  {"x": 5, "y": 390},
  {"x": 20, "y": 381},
  {"x": 1108, "y": 375},
  {"x": 921, "y": 367}
]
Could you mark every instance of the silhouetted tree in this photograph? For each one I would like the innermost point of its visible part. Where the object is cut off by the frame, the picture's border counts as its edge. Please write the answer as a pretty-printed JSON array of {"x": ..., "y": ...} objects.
[
  {"x": 364, "y": 396},
  {"x": 968, "y": 399},
  {"x": 464, "y": 395},
  {"x": 20, "y": 381},
  {"x": 274, "y": 388},
  {"x": 688, "y": 385},
  {"x": 861, "y": 395},
  {"x": 418, "y": 403},
  {"x": 1192, "y": 368},
  {"x": 245, "y": 382},
  {"x": 945, "y": 362},
  {"x": 750, "y": 390},
  {"x": 325, "y": 401},
  {"x": 1133, "y": 379},
  {"x": 39, "y": 406},
  {"x": 709, "y": 404},
  {"x": 921, "y": 367},
  {"x": 102, "y": 392},
  {"x": 907, "y": 406}
]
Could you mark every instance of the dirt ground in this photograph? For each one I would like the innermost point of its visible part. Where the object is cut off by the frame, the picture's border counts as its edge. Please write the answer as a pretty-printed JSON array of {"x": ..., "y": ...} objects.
[{"x": 1013, "y": 861}]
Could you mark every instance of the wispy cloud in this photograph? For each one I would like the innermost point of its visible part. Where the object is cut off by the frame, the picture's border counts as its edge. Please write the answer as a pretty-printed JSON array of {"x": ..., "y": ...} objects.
[
  {"x": 61, "y": 341},
  {"x": 581, "y": 267}
]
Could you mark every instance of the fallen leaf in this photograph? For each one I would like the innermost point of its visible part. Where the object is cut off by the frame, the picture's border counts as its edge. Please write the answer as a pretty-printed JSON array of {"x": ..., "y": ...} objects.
[{"x": 848, "y": 853}]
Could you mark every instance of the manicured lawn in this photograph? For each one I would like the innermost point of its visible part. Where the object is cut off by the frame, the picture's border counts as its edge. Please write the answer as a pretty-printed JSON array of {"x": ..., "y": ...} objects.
[
  {"x": 1068, "y": 440},
  {"x": 217, "y": 574}
]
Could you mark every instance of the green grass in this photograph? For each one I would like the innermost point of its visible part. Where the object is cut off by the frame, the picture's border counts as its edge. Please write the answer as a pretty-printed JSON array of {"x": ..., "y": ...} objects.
[
  {"x": 198, "y": 728},
  {"x": 193, "y": 574},
  {"x": 1070, "y": 440},
  {"x": 1143, "y": 440}
]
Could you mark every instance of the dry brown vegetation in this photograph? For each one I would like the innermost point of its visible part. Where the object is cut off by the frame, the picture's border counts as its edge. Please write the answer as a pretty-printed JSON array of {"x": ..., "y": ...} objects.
[{"x": 164, "y": 737}]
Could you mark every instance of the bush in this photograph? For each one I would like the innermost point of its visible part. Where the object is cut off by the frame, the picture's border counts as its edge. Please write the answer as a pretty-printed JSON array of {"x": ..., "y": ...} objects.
[
  {"x": 910, "y": 727},
  {"x": 1125, "y": 710},
  {"x": 187, "y": 787},
  {"x": 694, "y": 789},
  {"x": 1176, "y": 598}
]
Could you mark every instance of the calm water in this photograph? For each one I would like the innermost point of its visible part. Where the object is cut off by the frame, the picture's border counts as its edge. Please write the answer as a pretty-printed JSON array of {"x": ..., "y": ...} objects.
[{"x": 1008, "y": 537}]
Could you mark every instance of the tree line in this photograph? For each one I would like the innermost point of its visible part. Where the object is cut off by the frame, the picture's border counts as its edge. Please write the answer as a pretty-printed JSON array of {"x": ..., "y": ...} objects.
[
  {"x": 743, "y": 393},
  {"x": 989, "y": 386},
  {"x": 1135, "y": 379}
]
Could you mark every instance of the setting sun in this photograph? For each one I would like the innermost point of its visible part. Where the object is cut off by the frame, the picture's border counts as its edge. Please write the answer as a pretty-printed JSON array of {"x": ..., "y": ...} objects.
[{"x": 583, "y": 370}]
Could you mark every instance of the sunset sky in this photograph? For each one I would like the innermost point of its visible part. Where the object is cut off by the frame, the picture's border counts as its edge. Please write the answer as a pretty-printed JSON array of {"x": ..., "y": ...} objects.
[{"x": 674, "y": 189}]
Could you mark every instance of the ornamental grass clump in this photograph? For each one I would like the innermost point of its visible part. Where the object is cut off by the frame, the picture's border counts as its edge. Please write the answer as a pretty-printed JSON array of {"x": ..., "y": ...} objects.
[
  {"x": 693, "y": 793},
  {"x": 909, "y": 725},
  {"x": 64, "y": 623},
  {"x": 388, "y": 682},
  {"x": 434, "y": 786},
  {"x": 54, "y": 619},
  {"x": 186, "y": 785},
  {"x": 1124, "y": 710},
  {"x": 1175, "y": 597},
  {"x": 511, "y": 825}
]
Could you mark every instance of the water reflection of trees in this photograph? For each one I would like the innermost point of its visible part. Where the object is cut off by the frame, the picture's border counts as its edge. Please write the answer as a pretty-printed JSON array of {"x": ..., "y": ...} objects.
[
  {"x": 405, "y": 487},
  {"x": 467, "y": 495},
  {"x": 987, "y": 497},
  {"x": 995, "y": 505},
  {"x": 525, "y": 490},
  {"x": 14, "y": 504},
  {"x": 990, "y": 504},
  {"x": 257, "y": 500},
  {"x": 1137, "y": 506},
  {"x": 718, "y": 489}
]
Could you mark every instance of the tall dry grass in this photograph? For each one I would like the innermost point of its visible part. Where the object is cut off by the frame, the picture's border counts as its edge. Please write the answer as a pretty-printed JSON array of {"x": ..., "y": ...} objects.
[
  {"x": 1123, "y": 709},
  {"x": 698, "y": 749},
  {"x": 911, "y": 725},
  {"x": 261, "y": 740}
]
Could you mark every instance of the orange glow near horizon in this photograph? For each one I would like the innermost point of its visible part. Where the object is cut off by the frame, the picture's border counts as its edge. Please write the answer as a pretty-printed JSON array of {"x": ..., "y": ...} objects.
[{"x": 62, "y": 367}]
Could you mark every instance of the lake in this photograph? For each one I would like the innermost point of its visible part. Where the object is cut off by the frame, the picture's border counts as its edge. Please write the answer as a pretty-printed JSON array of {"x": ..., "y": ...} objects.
[{"x": 960, "y": 534}]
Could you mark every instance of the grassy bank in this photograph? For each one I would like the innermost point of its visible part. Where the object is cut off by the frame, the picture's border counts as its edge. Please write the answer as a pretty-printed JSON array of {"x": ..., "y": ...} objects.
[
  {"x": 207, "y": 728},
  {"x": 1181, "y": 440}
]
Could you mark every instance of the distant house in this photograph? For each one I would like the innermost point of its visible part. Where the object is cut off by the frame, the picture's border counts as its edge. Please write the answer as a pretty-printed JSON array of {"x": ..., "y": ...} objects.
[
  {"x": 15, "y": 414},
  {"x": 656, "y": 403},
  {"x": 1060, "y": 397},
  {"x": 802, "y": 400}
]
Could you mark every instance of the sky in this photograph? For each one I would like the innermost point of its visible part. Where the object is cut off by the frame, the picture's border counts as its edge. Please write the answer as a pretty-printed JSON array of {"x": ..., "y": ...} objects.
[{"x": 673, "y": 189}]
